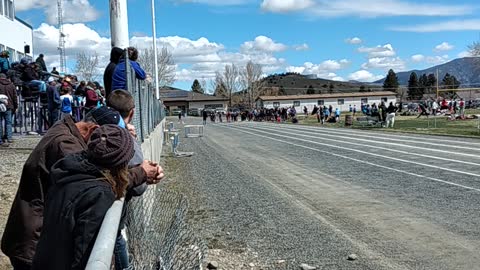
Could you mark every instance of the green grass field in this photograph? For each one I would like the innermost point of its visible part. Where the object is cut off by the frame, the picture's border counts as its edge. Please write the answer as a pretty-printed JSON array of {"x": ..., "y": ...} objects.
[{"x": 411, "y": 124}]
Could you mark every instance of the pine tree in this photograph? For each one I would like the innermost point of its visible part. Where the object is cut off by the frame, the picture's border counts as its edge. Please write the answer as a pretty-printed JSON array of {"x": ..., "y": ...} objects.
[
  {"x": 413, "y": 89},
  {"x": 330, "y": 88},
  {"x": 450, "y": 82},
  {"x": 432, "y": 83},
  {"x": 220, "y": 90},
  {"x": 422, "y": 85},
  {"x": 391, "y": 82},
  {"x": 310, "y": 90},
  {"x": 363, "y": 88},
  {"x": 196, "y": 87}
]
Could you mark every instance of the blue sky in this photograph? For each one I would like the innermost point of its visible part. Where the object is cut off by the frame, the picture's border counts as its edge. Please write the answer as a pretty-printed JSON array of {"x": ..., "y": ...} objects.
[{"x": 344, "y": 39}]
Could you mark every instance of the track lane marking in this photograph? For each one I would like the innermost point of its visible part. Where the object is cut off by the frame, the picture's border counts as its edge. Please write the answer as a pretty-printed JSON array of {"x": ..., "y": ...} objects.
[{"x": 372, "y": 154}]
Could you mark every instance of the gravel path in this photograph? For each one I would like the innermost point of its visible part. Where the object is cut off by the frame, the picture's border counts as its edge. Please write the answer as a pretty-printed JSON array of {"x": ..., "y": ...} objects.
[
  {"x": 315, "y": 195},
  {"x": 12, "y": 159}
]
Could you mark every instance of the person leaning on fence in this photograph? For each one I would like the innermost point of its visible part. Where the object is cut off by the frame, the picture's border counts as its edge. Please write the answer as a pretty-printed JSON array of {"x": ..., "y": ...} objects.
[
  {"x": 8, "y": 107},
  {"x": 31, "y": 78},
  {"x": 123, "y": 102},
  {"x": 83, "y": 187},
  {"x": 115, "y": 56},
  {"x": 24, "y": 223},
  {"x": 119, "y": 79}
]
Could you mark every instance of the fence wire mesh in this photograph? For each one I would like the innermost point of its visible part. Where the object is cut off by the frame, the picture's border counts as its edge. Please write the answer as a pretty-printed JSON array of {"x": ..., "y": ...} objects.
[
  {"x": 157, "y": 232},
  {"x": 158, "y": 235}
]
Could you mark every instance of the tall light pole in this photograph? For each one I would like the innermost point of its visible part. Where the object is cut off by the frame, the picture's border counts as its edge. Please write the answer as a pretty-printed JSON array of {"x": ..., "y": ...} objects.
[
  {"x": 119, "y": 23},
  {"x": 155, "y": 50}
]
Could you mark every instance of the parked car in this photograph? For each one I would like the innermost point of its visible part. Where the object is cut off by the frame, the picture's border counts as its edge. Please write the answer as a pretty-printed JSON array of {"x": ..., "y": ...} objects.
[
  {"x": 194, "y": 112},
  {"x": 176, "y": 112}
]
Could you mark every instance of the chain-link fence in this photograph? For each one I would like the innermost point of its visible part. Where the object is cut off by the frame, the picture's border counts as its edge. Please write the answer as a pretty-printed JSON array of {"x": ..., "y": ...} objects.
[
  {"x": 158, "y": 236},
  {"x": 149, "y": 111}
]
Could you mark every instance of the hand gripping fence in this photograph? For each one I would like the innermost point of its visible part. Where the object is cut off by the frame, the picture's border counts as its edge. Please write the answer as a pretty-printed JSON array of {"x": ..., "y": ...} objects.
[{"x": 158, "y": 236}]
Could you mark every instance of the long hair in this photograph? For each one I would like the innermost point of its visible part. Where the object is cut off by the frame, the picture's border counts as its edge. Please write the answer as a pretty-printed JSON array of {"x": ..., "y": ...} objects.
[{"x": 118, "y": 179}]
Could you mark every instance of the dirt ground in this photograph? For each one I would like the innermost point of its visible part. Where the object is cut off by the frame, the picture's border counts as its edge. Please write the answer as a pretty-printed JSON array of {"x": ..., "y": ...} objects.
[{"x": 12, "y": 160}]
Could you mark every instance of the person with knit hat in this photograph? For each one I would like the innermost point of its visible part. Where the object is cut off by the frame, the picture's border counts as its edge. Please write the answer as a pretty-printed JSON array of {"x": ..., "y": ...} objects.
[
  {"x": 25, "y": 220},
  {"x": 83, "y": 187}
]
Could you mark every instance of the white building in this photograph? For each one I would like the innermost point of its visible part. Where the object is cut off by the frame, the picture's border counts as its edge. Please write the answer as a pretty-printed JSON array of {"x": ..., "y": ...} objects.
[
  {"x": 337, "y": 100},
  {"x": 17, "y": 35},
  {"x": 174, "y": 98}
]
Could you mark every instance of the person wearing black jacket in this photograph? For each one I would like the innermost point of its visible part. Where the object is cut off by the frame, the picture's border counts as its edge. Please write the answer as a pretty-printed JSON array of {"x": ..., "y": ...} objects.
[
  {"x": 83, "y": 188},
  {"x": 115, "y": 56},
  {"x": 391, "y": 111}
]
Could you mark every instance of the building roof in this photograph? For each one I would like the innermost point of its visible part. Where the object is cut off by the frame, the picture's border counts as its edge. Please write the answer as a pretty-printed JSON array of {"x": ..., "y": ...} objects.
[
  {"x": 169, "y": 94},
  {"x": 325, "y": 96},
  {"x": 23, "y": 22}
]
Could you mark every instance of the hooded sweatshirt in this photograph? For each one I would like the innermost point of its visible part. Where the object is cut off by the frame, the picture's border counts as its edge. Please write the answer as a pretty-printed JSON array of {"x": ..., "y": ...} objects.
[
  {"x": 115, "y": 55},
  {"x": 76, "y": 205},
  {"x": 8, "y": 88}
]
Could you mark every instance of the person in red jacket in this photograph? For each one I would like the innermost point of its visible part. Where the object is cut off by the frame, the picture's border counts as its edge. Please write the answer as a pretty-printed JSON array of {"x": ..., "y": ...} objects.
[{"x": 91, "y": 99}]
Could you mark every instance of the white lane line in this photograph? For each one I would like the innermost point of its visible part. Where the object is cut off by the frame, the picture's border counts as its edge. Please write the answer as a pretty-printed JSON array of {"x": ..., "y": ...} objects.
[
  {"x": 354, "y": 159},
  {"x": 362, "y": 134},
  {"x": 372, "y": 154},
  {"x": 322, "y": 133},
  {"x": 372, "y": 146}
]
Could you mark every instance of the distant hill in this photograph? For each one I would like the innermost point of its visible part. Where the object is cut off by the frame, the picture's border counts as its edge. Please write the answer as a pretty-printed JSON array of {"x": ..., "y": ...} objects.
[
  {"x": 295, "y": 84},
  {"x": 466, "y": 70}
]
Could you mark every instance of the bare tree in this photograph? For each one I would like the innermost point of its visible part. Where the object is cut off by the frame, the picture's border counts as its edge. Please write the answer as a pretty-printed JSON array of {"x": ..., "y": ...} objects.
[
  {"x": 218, "y": 85},
  {"x": 231, "y": 80},
  {"x": 87, "y": 66},
  {"x": 251, "y": 81},
  {"x": 474, "y": 48},
  {"x": 166, "y": 65}
]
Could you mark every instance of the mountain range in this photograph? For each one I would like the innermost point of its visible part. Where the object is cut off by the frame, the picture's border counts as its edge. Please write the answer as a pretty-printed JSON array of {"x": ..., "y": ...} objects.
[{"x": 466, "y": 70}]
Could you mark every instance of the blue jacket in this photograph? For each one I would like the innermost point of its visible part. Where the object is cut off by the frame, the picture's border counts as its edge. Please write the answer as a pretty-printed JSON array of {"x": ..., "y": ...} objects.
[
  {"x": 4, "y": 65},
  {"x": 119, "y": 75},
  {"x": 53, "y": 98}
]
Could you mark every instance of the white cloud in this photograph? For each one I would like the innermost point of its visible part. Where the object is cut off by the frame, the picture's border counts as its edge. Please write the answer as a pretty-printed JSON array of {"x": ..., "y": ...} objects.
[
  {"x": 263, "y": 44},
  {"x": 284, "y": 6},
  {"x": 437, "y": 60},
  {"x": 364, "y": 76},
  {"x": 418, "y": 58},
  {"x": 74, "y": 10},
  {"x": 385, "y": 63},
  {"x": 324, "y": 69},
  {"x": 354, "y": 40},
  {"x": 444, "y": 47},
  {"x": 379, "y": 51},
  {"x": 303, "y": 47},
  {"x": 195, "y": 59},
  {"x": 433, "y": 60},
  {"x": 453, "y": 25},
  {"x": 464, "y": 54},
  {"x": 364, "y": 8},
  {"x": 215, "y": 2}
]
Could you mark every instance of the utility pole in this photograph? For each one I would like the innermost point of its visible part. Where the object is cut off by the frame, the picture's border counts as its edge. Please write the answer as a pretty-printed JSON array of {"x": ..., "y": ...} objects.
[
  {"x": 119, "y": 23},
  {"x": 437, "y": 83},
  {"x": 61, "y": 37},
  {"x": 155, "y": 50}
]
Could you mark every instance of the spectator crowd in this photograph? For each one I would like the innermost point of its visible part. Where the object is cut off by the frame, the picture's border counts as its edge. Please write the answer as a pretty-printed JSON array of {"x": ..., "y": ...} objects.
[{"x": 88, "y": 158}]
